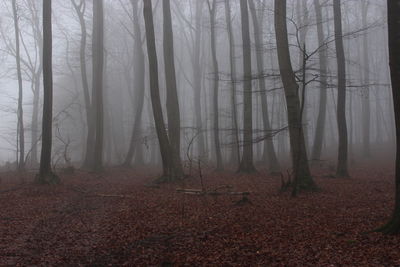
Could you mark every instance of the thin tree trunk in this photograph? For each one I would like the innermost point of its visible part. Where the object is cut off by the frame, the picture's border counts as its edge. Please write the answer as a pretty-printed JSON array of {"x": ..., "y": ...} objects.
[
  {"x": 322, "y": 56},
  {"x": 342, "y": 168},
  {"x": 97, "y": 90},
  {"x": 272, "y": 159},
  {"x": 246, "y": 164},
  {"x": 20, "y": 112}
]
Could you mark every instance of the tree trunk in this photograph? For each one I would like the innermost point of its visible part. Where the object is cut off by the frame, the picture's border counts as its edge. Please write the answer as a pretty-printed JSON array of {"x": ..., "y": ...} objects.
[
  {"x": 97, "y": 90},
  {"x": 46, "y": 175},
  {"x": 235, "y": 132},
  {"x": 215, "y": 85},
  {"x": 246, "y": 164},
  {"x": 322, "y": 56},
  {"x": 393, "y": 6},
  {"x": 20, "y": 112},
  {"x": 139, "y": 76},
  {"x": 269, "y": 149},
  {"x": 366, "y": 112},
  {"x": 172, "y": 168},
  {"x": 342, "y": 163},
  {"x": 301, "y": 170}
]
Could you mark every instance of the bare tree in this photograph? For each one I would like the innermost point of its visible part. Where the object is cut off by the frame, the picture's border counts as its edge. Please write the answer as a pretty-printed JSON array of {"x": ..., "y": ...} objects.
[
  {"x": 246, "y": 164},
  {"x": 213, "y": 9},
  {"x": 342, "y": 168},
  {"x": 172, "y": 168},
  {"x": 302, "y": 176},
  {"x": 20, "y": 112},
  {"x": 46, "y": 176}
]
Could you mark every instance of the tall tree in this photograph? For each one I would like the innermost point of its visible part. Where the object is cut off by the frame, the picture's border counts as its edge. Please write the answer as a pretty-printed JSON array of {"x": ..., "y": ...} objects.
[
  {"x": 89, "y": 151},
  {"x": 139, "y": 84},
  {"x": 46, "y": 176},
  {"x": 20, "y": 112},
  {"x": 393, "y": 7},
  {"x": 269, "y": 150},
  {"x": 246, "y": 164},
  {"x": 97, "y": 83},
  {"x": 172, "y": 168},
  {"x": 322, "y": 57},
  {"x": 342, "y": 168},
  {"x": 173, "y": 113},
  {"x": 301, "y": 170},
  {"x": 366, "y": 112},
  {"x": 232, "y": 65},
  {"x": 213, "y": 9}
]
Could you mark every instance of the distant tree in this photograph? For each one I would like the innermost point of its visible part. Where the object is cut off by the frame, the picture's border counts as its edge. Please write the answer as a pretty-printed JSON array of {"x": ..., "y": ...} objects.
[
  {"x": 232, "y": 65},
  {"x": 213, "y": 9},
  {"x": 246, "y": 164},
  {"x": 301, "y": 171},
  {"x": 46, "y": 176},
  {"x": 269, "y": 150},
  {"x": 342, "y": 164},
  {"x": 139, "y": 84},
  {"x": 20, "y": 112},
  {"x": 172, "y": 168},
  {"x": 322, "y": 57},
  {"x": 97, "y": 91},
  {"x": 393, "y": 7}
]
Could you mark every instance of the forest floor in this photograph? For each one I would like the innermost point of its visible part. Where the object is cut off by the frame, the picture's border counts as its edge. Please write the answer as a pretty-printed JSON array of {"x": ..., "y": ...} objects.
[{"x": 117, "y": 219}]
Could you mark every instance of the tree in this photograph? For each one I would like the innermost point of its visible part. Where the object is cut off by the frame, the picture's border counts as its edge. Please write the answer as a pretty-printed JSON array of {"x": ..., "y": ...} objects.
[
  {"x": 269, "y": 150},
  {"x": 172, "y": 168},
  {"x": 301, "y": 171},
  {"x": 139, "y": 76},
  {"x": 89, "y": 152},
  {"x": 97, "y": 91},
  {"x": 322, "y": 57},
  {"x": 46, "y": 176},
  {"x": 174, "y": 121},
  {"x": 20, "y": 112},
  {"x": 393, "y": 7},
  {"x": 246, "y": 164},
  {"x": 212, "y": 8},
  {"x": 232, "y": 65},
  {"x": 342, "y": 169}
]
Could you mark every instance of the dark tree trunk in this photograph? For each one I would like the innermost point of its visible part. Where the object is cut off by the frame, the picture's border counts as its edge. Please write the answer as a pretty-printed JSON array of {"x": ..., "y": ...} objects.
[
  {"x": 393, "y": 6},
  {"x": 269, "y": 150},
  {"x": 215, "y": 81},
  {"x": 46, "y": 175},
  {"x": 322, "y": 56},
  {"x": 20, "y": 112},
  {"x": 246, "y": 164},
  {"x": 174, "y": 121},
  {"x": 97, "y": 83},
  {"x": 172, "y": 168},
  {"x": 235, "y": 131},
  {"x": 301, "y": 170},
  {"x": 139, "y": 76},
  {"x": 342, "y": 163}
]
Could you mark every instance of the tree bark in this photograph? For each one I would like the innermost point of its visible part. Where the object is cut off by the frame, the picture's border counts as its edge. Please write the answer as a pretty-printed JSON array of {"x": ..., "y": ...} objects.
[
  {"x": 393, "y": 7},
  {"x": 246, "y": 164},
  {"x": 46, "y": 175},
  {"x": 342, "y": 168},
  {"x": 172, "y": 169},
  {"x": 302, "y": 176}
]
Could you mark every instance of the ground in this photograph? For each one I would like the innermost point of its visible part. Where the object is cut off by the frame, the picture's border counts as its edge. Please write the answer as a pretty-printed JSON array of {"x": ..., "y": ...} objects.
[{"x": 116, "y": 218}]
